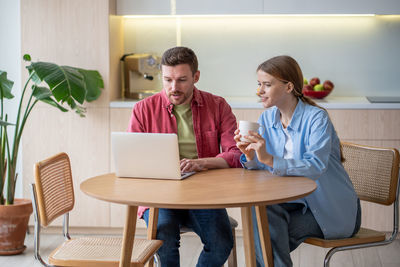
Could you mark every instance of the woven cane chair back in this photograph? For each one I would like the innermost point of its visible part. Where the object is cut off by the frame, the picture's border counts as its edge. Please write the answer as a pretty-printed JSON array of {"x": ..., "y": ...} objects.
[
  {"x": 54, "y": 188},
  {"x": 373, "y": 171}
]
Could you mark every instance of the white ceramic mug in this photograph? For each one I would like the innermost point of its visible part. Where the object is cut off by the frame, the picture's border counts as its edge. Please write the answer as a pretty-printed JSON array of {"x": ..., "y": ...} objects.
[{"x": 246, "y": 126}]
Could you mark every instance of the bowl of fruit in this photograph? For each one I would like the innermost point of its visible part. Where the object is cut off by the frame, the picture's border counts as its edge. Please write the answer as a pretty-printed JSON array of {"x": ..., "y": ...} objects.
[{"x": 315, "y": 89}]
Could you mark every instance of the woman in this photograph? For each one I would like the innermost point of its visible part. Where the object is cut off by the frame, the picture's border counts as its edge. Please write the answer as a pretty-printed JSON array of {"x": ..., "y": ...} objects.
[{"x": 299, "y": 140}]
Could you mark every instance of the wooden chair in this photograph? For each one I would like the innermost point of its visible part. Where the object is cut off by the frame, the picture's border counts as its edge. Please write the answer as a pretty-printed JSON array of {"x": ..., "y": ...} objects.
[
  {"x": 53, "y": 196},
  {"x": 232, "y": 260},
  {"x": 374, "y": 172}
]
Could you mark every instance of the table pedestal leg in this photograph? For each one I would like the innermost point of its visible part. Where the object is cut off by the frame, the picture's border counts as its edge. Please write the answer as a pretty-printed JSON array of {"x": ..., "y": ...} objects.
[
  {"x": 248, "y": 237},
  {"x": 263, "y": 229},
  {"x": 129, "y": 236},
  {"x": 152, "y": 228}
]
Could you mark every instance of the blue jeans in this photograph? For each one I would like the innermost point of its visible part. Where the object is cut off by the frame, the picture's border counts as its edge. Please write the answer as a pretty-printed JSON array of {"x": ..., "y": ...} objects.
[
  {"x": 288, "y": 228},
  {"x": 212, "y": 226}
]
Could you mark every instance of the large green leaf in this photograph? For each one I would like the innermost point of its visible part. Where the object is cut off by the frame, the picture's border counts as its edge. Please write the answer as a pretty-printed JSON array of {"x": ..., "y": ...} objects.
[
  {"x": 40, "y": 92},
  {"x": 93, "y": 82},
  {"x": 64, "y": 81},
  {"x": 35, "y": 77},
  {"x": 5, "y": 86},
  {"x": 44, "y": 94},
  {"x": 69, "y": 84}
]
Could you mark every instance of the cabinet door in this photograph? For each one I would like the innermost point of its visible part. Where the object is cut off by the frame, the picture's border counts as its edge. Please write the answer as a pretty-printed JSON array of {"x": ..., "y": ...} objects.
[
  {"x": 218, "y": 7},
  {"x": 221, "y": 7},
  {"x": 366, "y": 124},
  {"x": 143, "y": 7},
  {"x": 331, "y": 7}
]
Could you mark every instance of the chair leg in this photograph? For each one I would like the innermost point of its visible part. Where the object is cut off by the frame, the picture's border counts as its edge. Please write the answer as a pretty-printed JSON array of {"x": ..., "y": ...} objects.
[
  {"x": 36, "y": 242},
  {"x": 232, "y": 260},
  {"x": 329, "y": 256},
  {"x": 157, "y": 260}
]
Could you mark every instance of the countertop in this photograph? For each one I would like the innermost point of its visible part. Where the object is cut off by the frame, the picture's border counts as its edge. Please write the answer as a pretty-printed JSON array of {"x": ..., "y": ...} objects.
[{"x": 330, "y": 102}]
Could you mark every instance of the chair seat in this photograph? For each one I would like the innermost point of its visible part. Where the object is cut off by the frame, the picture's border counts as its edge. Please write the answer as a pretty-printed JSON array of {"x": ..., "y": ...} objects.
[
  {"x": 232, "y": 222},
  {"x": 363, "y": 236},
  {"x": 101, "y": 251}
]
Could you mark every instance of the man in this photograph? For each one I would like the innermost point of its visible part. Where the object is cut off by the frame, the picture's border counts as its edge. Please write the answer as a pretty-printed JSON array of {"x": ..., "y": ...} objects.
[{"x": 205, "y": 127}]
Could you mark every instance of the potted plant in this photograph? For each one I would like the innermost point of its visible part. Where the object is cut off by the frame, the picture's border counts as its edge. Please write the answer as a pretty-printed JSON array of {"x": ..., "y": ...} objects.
[{"x": 63, "y": 87}]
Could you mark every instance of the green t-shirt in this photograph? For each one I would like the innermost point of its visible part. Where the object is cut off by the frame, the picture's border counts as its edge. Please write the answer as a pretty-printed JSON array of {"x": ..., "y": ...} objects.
[{"x": 186, "y": 137}]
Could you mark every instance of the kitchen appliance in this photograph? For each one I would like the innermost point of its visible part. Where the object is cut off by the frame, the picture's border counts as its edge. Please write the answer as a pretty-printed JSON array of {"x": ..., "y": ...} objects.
[
  {"x": 140, "y": 75},
  {"x": 383, "y": 99}
]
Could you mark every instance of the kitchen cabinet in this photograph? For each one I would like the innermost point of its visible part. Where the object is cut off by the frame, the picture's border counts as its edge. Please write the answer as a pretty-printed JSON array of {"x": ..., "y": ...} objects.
[
  {"x": 219, "y": 7},
  {"x": 249, "y": 7},
  {"x": 143, "y": 7},
  {"x": 331, "y": 7},
  {"x": 188, "y": 7}
]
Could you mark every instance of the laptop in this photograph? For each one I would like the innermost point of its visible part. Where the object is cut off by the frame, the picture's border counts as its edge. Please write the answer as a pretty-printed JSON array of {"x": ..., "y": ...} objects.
[{"x": 147, "y": 155}]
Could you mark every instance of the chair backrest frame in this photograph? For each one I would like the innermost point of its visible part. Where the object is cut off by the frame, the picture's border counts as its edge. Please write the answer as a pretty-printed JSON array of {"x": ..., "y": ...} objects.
[
  {"x": 366, "y": 165},
  {"x": 54, "y": 187}
]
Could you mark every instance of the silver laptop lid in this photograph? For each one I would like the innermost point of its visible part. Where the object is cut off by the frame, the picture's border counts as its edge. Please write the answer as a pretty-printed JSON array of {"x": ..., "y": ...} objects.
[{"x": 146, "y": 155}]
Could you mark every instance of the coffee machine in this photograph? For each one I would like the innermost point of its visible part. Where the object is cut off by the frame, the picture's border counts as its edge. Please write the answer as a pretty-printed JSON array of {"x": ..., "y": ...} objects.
[{"x": 140, "y": 75}]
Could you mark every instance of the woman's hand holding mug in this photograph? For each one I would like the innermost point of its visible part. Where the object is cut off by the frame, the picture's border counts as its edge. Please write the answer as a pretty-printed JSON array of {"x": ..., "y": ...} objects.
[
  {"x": 242, "y": 145},
  {"x": 242, "y": 134},
  {"x": 248, "y": 140}
]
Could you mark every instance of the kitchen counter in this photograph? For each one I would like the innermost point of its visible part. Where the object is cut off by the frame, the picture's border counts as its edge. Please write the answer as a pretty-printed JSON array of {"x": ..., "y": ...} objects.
[{"x": 330, "y": 102}]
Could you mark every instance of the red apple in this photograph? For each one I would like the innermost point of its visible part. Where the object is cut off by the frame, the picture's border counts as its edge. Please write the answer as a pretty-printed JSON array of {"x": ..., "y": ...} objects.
[
  {"x": 328, "y": 85},
  {"x": 314, "y": 81},
  {"x": 308, "y": 87}
]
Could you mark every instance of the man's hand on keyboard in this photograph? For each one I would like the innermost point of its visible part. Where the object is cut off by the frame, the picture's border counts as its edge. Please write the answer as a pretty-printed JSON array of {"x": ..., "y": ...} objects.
[{"x": 192, "y": 165}]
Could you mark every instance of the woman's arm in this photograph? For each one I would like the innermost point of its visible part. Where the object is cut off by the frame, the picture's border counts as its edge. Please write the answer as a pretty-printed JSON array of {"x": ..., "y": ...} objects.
[{"x": 316, "y": 150}]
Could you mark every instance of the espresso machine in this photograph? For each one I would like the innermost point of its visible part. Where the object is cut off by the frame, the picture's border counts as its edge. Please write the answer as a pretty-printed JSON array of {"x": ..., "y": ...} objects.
[{"x": 140, "y": 75}]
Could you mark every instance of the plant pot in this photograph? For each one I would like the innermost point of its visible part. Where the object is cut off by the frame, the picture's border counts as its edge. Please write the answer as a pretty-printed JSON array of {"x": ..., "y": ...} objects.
[{"x": 13, "y": 224}]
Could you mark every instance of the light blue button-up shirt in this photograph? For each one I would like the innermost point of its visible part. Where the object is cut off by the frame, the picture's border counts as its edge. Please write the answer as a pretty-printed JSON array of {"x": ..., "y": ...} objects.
[{"x": 316, "y": 154}]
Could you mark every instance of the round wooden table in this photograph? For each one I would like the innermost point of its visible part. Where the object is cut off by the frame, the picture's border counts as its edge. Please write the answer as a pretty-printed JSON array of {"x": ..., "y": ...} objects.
[{"x": 220, "y": 188}]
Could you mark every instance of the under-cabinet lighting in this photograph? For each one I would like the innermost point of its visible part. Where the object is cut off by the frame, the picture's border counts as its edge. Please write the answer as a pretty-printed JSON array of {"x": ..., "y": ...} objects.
[{"x": 249, "y": 15}]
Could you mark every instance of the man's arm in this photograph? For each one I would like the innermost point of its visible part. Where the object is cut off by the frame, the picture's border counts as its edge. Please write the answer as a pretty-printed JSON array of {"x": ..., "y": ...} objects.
[
  {"x": 135, "y": 124},
  {"x": 229, "y": 152}
]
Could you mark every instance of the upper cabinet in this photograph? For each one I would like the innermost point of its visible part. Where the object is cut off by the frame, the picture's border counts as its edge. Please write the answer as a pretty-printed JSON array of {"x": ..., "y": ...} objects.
[
  {"x": 219, "y": 7},
  {"x": 385, "y": 7},
  {"x": 250, "y": 7},
  {"x": 143, "y": 7}
]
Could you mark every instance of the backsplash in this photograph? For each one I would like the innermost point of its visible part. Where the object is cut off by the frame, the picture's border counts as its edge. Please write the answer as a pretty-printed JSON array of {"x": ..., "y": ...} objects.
[{"x": 360, "y": 54}]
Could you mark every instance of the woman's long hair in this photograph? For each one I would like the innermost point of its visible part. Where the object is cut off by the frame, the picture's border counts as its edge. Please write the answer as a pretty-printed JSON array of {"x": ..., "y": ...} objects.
[{"x": 286, "y": 68}]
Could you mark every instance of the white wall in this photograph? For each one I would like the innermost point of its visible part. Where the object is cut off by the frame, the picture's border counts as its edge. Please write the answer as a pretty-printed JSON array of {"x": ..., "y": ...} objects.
[
  {"x": 359, "y": 54},
  {"x": 10, "y": 61}
]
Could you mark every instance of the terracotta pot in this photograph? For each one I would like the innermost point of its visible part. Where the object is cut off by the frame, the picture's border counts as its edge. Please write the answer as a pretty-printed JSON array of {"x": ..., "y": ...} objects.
[{"x": 13, "y": 224}]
